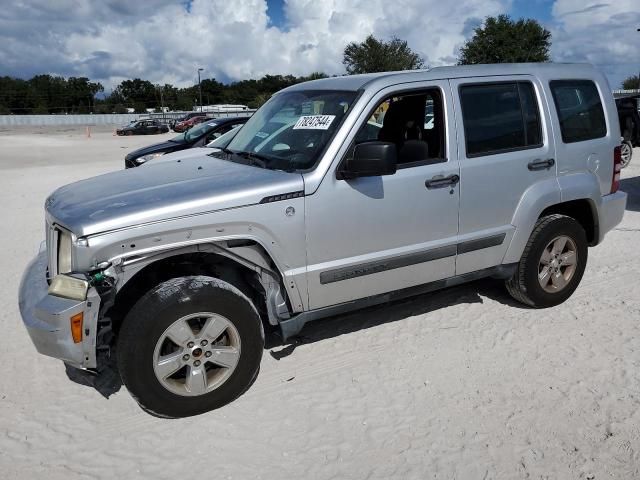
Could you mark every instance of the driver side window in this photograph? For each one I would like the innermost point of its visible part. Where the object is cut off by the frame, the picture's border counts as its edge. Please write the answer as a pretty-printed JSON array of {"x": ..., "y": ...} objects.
[{"x": 414, "y": 122}]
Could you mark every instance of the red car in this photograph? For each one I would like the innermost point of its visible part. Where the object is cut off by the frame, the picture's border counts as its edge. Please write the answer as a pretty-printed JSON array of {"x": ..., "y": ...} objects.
[{"x": 187, "y": 124}]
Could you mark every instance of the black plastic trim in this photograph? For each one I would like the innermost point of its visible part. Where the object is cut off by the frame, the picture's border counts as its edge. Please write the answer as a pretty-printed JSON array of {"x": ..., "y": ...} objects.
[
  {"x": 369, "y": 268},
  {"x": 472, "y": 245},
  {"x": 282, "y": 196}
]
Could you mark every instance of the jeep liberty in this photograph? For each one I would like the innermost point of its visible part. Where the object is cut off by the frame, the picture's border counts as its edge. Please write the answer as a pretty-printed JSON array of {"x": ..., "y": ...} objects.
[{"x": 337, "y": 194}]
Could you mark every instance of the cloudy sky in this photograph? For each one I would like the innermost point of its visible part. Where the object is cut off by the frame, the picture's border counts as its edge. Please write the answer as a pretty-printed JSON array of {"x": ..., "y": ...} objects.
[{"x": 166, "y": 40}]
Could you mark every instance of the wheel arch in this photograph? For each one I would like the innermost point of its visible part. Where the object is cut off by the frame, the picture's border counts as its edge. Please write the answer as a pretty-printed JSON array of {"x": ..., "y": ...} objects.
[
  {"x": 571, "y": 195},
  {"x": 582, "y": 210},
  {"x": 243, "y": 263}
]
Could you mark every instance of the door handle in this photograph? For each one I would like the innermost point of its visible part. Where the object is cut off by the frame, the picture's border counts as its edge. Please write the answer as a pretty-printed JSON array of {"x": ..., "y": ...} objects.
[
  {"x": 440, "y": 182},
  {"x": 541, "y": 164}
]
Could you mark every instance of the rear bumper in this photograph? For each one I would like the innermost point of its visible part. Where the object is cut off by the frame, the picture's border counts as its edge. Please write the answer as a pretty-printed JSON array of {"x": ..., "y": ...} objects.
[
  {"x": 47, "y": 318},
  {"x": 610, "y": 212}
]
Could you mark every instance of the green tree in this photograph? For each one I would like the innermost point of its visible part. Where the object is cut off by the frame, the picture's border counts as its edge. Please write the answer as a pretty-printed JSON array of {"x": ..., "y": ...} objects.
[
  {"x": 503, "y": 40},
  {"x": 52, "y": 94},
  {"x": 81, "y": 93},
  {"x": 136, "y": 93},
  {"x": 631, "y": 83},
  {"x": 374, "y": 55}
]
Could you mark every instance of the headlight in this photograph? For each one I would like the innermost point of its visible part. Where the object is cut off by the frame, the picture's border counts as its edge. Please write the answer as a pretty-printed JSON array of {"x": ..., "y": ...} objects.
[
  {"x": 64, "y": 252},
  {"x": 150, "y": 156},
  {"x": 66, "y": 286}
]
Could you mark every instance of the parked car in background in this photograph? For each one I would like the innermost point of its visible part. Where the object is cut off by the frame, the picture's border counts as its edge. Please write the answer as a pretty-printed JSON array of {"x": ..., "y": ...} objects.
[
  {"x": 187, "y": 124},
  {"x": 143, "y": 127},
  {"x": 198, "y": 136},
  {"x": 629, "y": 125},
  {"x": 184, "y": 117},
  {"x": 178, "y": 268},
  {"x": 217, "y": 145}
]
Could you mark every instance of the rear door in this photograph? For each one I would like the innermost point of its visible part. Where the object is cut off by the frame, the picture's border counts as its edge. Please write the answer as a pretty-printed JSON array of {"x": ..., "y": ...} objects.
[{"x": 505, "y": 149}]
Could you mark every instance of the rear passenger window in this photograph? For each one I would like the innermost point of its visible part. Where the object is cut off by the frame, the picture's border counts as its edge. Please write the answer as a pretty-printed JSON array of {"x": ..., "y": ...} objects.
[
  {"x": 579, "y": 110},
  {"x": 500, "y": 117}
]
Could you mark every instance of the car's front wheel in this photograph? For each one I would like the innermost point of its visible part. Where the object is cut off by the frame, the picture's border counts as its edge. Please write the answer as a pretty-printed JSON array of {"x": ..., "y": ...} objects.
[
  {"x": 190, "y": 345},
  {"x": 552, "y": 263}
]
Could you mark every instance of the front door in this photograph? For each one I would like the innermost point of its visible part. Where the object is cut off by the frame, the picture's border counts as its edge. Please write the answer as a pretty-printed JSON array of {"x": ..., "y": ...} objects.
[{"x": 373, "y": 235}]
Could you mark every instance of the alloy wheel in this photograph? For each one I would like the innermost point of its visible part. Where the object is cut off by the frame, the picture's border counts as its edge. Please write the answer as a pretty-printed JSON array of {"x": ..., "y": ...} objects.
[
  {"x": 196, "y": 354},
  {"x": 557, "y": 264}
]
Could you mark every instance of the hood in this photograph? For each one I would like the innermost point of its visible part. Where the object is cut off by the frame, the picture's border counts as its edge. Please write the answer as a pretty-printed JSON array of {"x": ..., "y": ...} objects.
[
  {"x": 155, "y": 148},
  {"x": 182, "y": 154},
  {"x": 163, "y": 190}
]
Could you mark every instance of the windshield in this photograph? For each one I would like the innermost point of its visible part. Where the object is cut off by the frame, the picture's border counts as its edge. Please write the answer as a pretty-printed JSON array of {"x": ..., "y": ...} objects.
[
  {"x": 291, "y": 130},
  {"x": 194, "y": 132},
  {"x": 223, "y": 140}
]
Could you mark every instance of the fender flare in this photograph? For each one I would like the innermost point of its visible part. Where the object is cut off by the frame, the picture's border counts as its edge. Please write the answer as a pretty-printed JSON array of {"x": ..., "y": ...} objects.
[
  {"x": 535, "y": 199},
  {"x": 545, "y": 194},
  {"x": 251, "y": 256}
]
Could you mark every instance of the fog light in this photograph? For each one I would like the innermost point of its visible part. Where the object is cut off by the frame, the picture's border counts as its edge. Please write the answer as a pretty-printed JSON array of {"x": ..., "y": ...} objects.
[
  {"x": 69, "y": 287},
  {"x": 76, "y": 327}
]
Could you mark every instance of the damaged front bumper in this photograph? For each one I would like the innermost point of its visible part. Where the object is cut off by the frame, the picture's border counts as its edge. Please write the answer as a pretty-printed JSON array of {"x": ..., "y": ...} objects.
[{"x": 47, "y": 318}]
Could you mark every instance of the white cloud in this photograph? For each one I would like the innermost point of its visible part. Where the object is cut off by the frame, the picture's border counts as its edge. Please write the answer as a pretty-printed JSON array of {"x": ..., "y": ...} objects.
[
  {"x": 602, "y": 32},
  {"x": 232, "y": 40},
  {"x": 161, "y": 41}
]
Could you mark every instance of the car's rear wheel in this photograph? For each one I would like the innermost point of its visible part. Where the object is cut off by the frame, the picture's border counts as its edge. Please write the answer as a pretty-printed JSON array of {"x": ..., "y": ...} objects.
[
  {"x": 552, "y": 263},
  {"x": 190, "y": 345}
]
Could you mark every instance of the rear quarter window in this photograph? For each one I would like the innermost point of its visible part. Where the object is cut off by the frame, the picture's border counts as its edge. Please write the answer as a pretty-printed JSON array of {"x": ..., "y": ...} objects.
[{"x": 579, "y": 110}]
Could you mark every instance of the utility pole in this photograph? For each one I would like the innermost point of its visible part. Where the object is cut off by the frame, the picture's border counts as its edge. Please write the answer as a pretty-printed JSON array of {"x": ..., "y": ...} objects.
[
  {"x": 164, "y": 120},
  {"x": 200, "y": 87}
]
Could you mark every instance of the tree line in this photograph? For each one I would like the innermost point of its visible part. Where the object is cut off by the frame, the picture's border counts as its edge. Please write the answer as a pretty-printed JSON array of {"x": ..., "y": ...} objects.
[
  {"x": 498, "y": 40},
  {"x": 49, "y": 94}
]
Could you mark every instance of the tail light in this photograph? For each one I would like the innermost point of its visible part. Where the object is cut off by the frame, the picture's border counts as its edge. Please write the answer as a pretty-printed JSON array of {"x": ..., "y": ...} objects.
[{"x": 617, "y": 167}]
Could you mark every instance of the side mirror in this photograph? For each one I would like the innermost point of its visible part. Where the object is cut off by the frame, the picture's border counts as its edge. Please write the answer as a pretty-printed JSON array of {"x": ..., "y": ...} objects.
[{"x": 370, "y": 159}]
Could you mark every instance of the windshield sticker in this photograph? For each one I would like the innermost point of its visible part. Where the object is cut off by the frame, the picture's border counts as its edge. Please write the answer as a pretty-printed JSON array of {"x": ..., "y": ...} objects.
[
  {"x": 262, "y": 134},
  {"x": 314, "y": 122}
]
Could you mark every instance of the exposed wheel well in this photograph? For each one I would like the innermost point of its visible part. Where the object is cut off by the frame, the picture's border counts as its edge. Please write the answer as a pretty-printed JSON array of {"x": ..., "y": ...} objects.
[
  {"x": 196, "y": 263},
  {"x": 582, "y": 211}
]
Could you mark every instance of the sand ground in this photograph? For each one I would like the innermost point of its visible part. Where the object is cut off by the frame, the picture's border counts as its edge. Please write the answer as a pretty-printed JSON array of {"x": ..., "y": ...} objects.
[{"x": 462, "y": 383}]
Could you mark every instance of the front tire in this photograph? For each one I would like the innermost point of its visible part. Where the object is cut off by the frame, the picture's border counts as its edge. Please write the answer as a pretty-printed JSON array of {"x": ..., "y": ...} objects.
[
  {"x": 190, "y": 345},
  {"x": 552, "y": 263}
]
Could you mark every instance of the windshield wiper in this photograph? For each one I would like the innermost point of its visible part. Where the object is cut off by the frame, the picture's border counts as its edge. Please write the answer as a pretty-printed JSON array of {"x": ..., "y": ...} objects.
[{"x": 255, "y": 158}]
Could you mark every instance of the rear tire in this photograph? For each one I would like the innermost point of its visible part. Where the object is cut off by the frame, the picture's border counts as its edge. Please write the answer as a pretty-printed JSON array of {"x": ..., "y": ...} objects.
[
  {"x": 177, "y": 364},
  {"x": 552, "y": 263}
]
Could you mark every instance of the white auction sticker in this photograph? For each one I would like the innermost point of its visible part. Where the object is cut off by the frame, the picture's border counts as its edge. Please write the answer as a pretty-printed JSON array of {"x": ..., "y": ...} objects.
[{"x": 314, "y": 122}]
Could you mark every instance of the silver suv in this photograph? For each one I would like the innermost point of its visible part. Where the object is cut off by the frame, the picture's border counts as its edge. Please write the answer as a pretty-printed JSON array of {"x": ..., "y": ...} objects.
[{"x": 337, "y": 194}]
